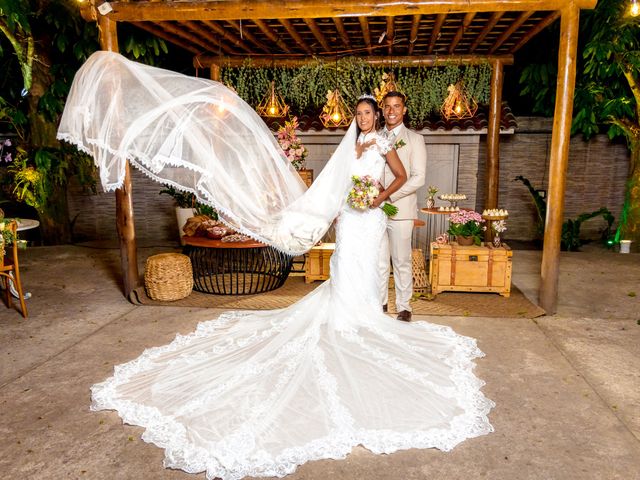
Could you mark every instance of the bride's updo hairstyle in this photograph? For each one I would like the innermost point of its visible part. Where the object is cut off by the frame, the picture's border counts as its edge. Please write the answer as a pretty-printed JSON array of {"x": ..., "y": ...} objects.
[{"x": 371, "y": 100}]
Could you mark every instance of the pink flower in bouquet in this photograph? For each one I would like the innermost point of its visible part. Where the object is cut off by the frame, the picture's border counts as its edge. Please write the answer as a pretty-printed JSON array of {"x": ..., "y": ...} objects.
[{"x": 293, "y": 149}]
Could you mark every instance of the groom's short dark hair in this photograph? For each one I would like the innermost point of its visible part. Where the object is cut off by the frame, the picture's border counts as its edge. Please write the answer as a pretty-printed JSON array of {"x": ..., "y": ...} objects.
[{"x": 395, "y": 94}]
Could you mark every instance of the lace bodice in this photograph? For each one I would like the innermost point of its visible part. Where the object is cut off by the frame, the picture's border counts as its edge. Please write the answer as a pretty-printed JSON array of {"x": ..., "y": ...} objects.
[{"x": 372, "y": 160}]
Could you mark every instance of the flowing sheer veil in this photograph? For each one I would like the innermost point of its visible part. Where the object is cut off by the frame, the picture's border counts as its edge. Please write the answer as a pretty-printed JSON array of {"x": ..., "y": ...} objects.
[{"x": 199, "y": 136}]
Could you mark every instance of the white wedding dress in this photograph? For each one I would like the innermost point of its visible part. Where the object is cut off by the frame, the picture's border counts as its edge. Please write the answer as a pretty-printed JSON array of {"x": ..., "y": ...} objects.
[{"x": 259, "y": 393}]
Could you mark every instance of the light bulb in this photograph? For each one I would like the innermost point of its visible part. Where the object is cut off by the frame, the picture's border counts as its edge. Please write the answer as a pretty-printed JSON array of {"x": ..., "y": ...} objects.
[
  {"x": 336, "y": 117},
  {"x": 458, "y": 108},
  {"x": 272, "y": 110},
  {"x": 635, "y": 8}
]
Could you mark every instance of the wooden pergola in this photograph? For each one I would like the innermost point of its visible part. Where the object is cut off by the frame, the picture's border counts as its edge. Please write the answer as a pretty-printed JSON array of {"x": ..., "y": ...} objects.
[{"x": 406, "y": 32}]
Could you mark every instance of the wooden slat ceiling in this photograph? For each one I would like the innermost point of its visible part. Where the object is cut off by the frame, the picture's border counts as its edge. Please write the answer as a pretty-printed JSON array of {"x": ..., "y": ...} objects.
[{"x": 439, "y": 34}]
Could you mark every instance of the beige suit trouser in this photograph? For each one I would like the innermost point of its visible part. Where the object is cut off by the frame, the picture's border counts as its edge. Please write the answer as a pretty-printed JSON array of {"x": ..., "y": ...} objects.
[{"x": 397, "y": 245}]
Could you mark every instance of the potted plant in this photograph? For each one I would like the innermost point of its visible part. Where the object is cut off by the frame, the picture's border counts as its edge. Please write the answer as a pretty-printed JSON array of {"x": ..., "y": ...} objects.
[
  {"x": 467, "y": 226},
  {"x": 186, "y": 207}
]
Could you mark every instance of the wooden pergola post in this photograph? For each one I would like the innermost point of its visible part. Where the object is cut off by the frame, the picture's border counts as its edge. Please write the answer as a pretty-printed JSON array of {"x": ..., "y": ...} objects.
[
  {"x": 559, "y": 155},
  {"x": 124, "y": 199},
  {"x": 493, "y": 136}
]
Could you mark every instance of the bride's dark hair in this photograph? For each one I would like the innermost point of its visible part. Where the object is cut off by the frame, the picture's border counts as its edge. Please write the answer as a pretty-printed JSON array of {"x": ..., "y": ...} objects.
[{"x": 370, "y": 99}]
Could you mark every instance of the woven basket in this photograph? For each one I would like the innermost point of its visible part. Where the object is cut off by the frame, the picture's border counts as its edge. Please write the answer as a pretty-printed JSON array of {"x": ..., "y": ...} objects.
[
  {"x": 420, "y": 279},
  {"x": 168, "y": 276}
]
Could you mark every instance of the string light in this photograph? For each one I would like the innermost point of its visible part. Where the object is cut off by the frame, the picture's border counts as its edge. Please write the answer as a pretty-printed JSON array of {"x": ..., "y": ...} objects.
[
  {"x": 634, "y": 8},
  {"x": 272, "y": 105}
]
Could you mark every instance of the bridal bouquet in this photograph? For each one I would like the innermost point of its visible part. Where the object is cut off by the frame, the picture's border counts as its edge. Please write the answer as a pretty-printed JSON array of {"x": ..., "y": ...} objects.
[{"x": 365, "y": 189}]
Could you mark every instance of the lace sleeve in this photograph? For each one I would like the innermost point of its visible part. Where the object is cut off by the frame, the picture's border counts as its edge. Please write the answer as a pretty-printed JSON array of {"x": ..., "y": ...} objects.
[{"x": 384, "y": 145}]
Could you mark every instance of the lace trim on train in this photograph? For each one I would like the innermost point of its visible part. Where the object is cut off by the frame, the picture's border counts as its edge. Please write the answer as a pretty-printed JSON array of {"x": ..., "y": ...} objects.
[{"x": 234, "y": 457}]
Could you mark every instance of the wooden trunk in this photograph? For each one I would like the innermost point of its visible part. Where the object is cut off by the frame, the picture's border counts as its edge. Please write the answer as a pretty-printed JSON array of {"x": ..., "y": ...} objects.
[
  {"x": 307, "y": 176},
  {"x": 317, "y": 263},
  {"x": 456, "y": 268}
]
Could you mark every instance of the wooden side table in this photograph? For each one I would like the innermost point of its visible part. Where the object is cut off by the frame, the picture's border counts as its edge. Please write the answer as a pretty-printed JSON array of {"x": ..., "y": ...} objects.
[{"x": 317, "y": 262}]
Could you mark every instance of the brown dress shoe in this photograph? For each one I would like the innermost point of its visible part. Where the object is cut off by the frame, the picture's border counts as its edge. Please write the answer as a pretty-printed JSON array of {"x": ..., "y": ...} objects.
[
  {"x": 404, "y": 315},
  {"x": 385, "y": 308}
]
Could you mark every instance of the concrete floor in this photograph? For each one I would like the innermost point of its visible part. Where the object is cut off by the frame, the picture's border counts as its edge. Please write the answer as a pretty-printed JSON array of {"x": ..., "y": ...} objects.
[{"x": 567, "y": 386}]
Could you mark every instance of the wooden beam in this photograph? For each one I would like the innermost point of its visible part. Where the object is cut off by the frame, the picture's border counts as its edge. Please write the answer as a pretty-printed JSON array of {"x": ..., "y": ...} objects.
[
  {"x": 158, "y": 32},
  {"x": 415, "y": 26},
  {"x": 558, "y": 158},
  {"x": 244, "y": 33},
  {"x": 342, "y": 32},
  {"x": 509, "y": 31},
  {"x": 493, "y": 136},
  {"x": 215, "y": 72},
  {"x": 295, "y": 35},
  {"x": 153, "y": 10},
  {"x": 311, "y": 23},
  {"x": 230, "y": 37},
  {"x": 364, "y": 25},
  {"x": 435, "y": 33},
  {"x": 271, "y": 35},
  {"x": 180, "y": 32},
  {"x": 548, "y": 20},
  {"x": 206, "y": 35},
  {"x": 410, "y": 61},
  {"x": 390, "y": 33},
  {"x": 125, "y": 225},
  {"x": 468, "y": 18},
  {"x": 487, "y": 28}
]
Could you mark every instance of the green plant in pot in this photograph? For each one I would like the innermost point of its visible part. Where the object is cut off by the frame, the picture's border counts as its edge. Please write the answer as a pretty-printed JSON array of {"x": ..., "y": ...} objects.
[{"x": 467, "y": 226}]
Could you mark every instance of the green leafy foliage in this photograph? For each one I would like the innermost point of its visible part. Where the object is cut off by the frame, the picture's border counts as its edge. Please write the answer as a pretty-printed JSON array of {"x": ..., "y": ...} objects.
[
  {"x": 570, "y": 237},
  {"x": 305, "y": 88}
]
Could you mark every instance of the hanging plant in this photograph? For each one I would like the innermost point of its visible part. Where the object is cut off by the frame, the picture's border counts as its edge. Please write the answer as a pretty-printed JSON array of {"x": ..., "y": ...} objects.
[{"x": 305, "y": 88}]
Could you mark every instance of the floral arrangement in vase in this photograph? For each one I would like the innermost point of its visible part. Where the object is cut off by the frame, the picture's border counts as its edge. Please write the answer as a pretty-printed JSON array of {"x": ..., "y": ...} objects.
[
  {"x": 498, "y": 227},
  {"x": 466, "y": 226},
  {"x": 295, "y": 152},
  {"x": 431, "y": 192}
]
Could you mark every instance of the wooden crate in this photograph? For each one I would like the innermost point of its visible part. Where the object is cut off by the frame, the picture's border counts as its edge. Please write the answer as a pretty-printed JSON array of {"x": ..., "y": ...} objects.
[
  {"x": 317, "y": 262},
  {"x": 456, "y": 268}
]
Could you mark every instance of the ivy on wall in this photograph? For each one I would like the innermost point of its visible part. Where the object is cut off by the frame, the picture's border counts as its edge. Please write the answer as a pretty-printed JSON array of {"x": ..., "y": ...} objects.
[{"x": 305, "y": 88}]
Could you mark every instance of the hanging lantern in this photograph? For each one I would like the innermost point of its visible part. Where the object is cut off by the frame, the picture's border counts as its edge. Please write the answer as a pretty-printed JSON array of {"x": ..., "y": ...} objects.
[
  {"x": 272, "y": 105},
  {"x": 388, "y": 84},
  {"x": 458, "y": 104},
  {"x": 335, "y": 112}
]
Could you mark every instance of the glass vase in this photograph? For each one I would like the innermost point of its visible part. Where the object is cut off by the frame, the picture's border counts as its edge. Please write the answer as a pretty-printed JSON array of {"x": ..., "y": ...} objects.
[{"x": 431, "y": 203}]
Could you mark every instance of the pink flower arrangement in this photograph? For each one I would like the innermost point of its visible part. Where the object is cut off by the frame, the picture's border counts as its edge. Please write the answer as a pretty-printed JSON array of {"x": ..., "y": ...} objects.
[
  {"x": 466, "y": 223},
  {"x": 293, "y": 149}
]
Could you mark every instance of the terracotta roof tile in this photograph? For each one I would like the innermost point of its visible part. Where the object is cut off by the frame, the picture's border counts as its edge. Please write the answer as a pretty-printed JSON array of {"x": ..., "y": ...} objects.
[{"x": 478, "y": 122}]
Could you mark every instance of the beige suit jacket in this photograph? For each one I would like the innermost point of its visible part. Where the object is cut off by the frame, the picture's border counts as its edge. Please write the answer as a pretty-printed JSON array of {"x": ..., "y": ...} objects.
[{"x": 413, "y": 156}]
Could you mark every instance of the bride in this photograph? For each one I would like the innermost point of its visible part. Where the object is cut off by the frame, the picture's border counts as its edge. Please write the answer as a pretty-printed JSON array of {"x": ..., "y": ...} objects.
[{"x": 259, "y": 393}]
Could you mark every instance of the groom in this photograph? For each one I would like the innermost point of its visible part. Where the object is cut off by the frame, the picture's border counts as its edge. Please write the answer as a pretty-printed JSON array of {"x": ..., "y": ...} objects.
[{"x": 397, "y": 243}]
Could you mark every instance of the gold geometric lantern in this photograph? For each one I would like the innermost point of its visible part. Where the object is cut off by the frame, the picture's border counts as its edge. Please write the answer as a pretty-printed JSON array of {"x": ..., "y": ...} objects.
[
  {"x": 335, "y": 112},
  {"x": 272, "y": 105},
  {"x": 458, "y": 104},
  {"x": 388, "y": 84}
]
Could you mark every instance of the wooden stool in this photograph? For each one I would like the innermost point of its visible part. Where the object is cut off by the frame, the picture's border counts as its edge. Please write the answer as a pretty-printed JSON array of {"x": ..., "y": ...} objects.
[
  {"x": 168, "y": 276},
  {"x": 420, "y": 278}
]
